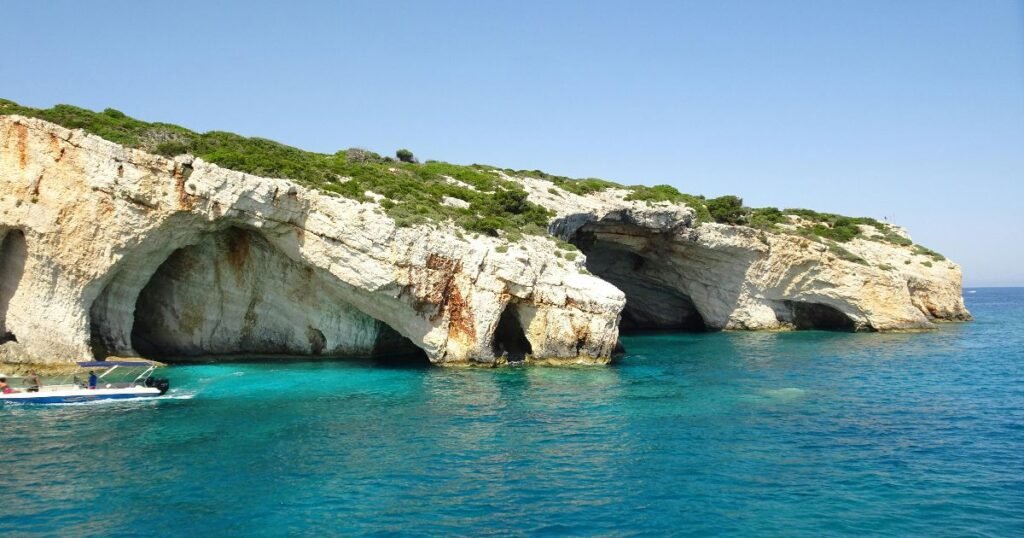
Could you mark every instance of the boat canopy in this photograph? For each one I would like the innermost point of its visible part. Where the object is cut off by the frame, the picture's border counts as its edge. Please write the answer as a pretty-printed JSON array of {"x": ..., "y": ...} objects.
[{"x": 109, "y": 364}]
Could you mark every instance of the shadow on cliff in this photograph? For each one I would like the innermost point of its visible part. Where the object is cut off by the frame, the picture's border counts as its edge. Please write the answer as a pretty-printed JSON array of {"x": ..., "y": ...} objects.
[
  {"x": 237, "y": 287},
  {"x": 673, "y": 283},
  {"x": 235, "y": 294},
  {"x": 13, "y": 256},
  {"x": 663, "y": 291}
]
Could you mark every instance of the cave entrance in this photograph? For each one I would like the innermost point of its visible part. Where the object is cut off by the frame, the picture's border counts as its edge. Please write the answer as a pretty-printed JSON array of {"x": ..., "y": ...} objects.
[
  {"x": 817, "y": 316},
  {"x": 394, "y": 350},
  {"x": 509, "y": 337},
  {"x": 651, "y": 304},
  {"x": 234, "y": 295},
  {"x": 653, "y": 308},
  {"x": 13, "y": 256}
]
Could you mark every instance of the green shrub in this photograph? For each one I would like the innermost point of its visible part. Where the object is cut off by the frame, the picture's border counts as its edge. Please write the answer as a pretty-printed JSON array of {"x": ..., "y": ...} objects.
[
  {"x": 405, "y": 156},
  {"x": 844, "y": 254},
  {"x": 583, "y": 187},
  {"x": 924, "y": 251},
  {"x": 825, "y": 231},
  {"x": 538, "y": 174},
  {"x": 727, "y": 209},
  {"x": 765, "y": 218},
  {"x": 511, "y": 201},
  {"x": 831, "y": 218},
  {"x": 478, "y": 177},
  {"x": 359, "y": 155},
  {"x": 896, "y": 239},
  {"x": 172, "y": 148},
  {"x": 487, "y": 225},
  {"x": 668, "y": 193},
  {"x": 657, "y": 193},
  {"x": 511, "y": 235}
]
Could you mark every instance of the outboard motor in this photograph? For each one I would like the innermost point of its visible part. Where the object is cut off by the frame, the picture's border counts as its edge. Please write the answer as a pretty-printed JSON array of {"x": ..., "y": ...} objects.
[{"x": 161, "y": 384}]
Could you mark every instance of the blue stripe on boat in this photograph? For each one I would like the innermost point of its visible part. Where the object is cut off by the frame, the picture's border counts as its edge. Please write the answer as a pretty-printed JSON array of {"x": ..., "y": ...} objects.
[{"x": 79, "y": 399}]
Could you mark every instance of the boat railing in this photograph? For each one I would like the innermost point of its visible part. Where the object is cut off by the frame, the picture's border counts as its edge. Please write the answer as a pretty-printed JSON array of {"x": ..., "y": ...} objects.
[{"x": 127, "y": 375}]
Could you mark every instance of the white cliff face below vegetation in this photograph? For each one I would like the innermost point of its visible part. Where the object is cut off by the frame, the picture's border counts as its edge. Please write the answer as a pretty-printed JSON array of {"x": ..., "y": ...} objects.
[
  {"x": 715, "y": 276},
  {"x": 106, "y": 250},
  {"x": 113, "y": 251}
]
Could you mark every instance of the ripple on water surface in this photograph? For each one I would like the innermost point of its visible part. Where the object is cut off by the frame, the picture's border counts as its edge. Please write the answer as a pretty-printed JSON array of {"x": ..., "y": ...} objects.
[{"x": 796, "y": 434}]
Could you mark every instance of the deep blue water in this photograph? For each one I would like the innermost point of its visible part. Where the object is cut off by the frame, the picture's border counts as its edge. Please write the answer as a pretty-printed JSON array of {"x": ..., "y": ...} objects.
[{"x": 791, "y": 434}]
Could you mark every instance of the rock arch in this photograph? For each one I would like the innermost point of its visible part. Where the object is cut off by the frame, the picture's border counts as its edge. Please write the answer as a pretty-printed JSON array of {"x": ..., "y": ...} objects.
[
  {"x": 108, "y": 217},
  {"x": 661, "y": 291},
  {"x": 804, "y": 315},
  {"x": 234, "y": 293},
  {"x": 13, "y": 256},
  {"x": 713, "y": 277},
  {"x": 111, "y": 299},
  {"x": 651, "y": 304}
]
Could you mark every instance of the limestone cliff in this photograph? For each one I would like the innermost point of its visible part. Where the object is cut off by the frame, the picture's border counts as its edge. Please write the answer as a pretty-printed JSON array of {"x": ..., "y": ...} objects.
[
  {"x": 679, "y": 275},
  {"x": 107, "y": 250},
  {"x": 113, "y": 251}
]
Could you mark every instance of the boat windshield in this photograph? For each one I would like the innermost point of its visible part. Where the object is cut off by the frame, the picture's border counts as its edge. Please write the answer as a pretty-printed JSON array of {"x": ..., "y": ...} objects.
[{"x": 107, "y": 375}]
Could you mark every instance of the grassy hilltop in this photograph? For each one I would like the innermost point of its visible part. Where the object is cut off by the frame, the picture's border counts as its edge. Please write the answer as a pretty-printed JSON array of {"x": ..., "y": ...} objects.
[{"x": 413, "y": 192}]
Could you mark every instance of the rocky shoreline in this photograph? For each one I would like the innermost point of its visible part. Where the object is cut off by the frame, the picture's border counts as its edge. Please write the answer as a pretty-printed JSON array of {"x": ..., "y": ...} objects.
[{"x": 111, "y": 251}]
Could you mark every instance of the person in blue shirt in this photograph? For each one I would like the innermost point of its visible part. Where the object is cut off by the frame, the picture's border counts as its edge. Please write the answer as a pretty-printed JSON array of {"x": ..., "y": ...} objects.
[{"x": 92, "y": 379}]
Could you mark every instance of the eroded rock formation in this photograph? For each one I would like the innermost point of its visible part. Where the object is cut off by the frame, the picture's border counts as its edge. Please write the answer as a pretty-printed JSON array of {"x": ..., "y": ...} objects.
[
  {"x": 234, "y": 293},
  {"x": 106, "y": 250},
  {"x": 715, "y": 276},
  {"x": 115, "y": 251}
]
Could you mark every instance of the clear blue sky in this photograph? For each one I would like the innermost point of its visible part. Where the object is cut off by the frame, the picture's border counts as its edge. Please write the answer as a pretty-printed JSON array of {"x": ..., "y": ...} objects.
[{"x": 911, "y": 110}]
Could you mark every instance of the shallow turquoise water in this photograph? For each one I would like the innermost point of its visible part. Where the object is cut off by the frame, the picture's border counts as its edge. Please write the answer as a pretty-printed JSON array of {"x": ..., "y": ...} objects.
[{"x": 794, "y": 434}]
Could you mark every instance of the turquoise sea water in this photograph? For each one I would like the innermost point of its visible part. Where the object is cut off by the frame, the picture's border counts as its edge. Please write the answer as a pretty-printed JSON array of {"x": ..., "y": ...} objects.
[{"x": 792, "y": 434}]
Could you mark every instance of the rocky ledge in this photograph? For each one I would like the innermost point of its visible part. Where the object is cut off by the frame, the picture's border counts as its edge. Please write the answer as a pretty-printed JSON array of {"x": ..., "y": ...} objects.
[{"x": 111, "y": 251}]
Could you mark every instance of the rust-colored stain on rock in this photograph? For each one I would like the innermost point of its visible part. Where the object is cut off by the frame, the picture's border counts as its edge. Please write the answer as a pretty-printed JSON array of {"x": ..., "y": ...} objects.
[
  {"x": 185, "y": 200},
  {"x": 55, "y": 147},
  {"x": 21, "y": 132},
  {"x": 443, "y": 291}
]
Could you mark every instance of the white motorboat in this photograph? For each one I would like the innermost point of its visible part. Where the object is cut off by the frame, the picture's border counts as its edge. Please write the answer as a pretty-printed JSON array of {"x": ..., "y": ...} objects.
[{"x": 99, "y": 380}]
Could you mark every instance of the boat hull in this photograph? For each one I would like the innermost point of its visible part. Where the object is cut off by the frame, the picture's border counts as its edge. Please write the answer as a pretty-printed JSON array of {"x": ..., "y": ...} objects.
[{"x": 80, "y": 395}]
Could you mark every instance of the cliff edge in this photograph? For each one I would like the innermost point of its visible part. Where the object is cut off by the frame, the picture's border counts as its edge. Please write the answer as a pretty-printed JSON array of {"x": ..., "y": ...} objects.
[{"x": 108, "y": 250}]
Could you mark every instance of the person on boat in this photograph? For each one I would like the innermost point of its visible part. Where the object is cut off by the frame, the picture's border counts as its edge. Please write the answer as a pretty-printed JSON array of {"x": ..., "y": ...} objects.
[
  {"x": 4, "y": 387},
  {"x": 92, "y": 379},
  {"x": 36, "y": 384}
]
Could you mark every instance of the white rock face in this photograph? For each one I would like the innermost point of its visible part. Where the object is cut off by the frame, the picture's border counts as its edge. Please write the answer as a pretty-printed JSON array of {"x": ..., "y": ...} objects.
[
  {"x": 106, "y": 250},
  {"x": 94, "y": 224},
  {"x": 233, "y": 293},
  {"x": 733, "y": 277}
]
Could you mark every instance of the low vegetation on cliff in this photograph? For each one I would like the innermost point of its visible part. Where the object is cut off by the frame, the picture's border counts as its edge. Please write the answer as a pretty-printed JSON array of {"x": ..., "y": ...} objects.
[
  {"x": 476, "y": 197},
  {"x": 472, "y": 196}
]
